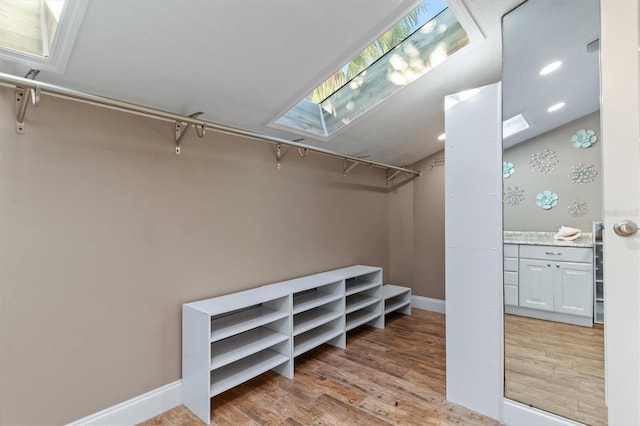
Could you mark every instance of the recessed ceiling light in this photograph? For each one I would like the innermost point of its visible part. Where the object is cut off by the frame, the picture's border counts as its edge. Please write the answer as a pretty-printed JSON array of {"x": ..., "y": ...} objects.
[
  {"x": 442, "y": 137},
  {"x": 550, "y": 68},
  {"x": 513, "y": 125},
  {"x": 555, "y": 107}
]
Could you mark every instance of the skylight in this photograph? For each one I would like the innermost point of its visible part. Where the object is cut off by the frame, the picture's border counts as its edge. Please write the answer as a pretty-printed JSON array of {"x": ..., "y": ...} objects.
[
  {"x": 29, "y": 26},
  {"x": 418, "y": 43},
  {"x": 513, "y": 125},
  {"x": 39, "y": 33}
]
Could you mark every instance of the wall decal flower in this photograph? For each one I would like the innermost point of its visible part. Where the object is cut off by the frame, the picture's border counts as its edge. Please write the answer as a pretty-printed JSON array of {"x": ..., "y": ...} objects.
[
  {"x": 544, "y": 161},
  {"x": 582, "y": 173},
  {"x": 584, "y": 138},
  {"x": 547, "y": 200},
  {"x": 507, "y": 169},
  {"x": 513, "y": 196},
  {"x": 578, "y": 208}
]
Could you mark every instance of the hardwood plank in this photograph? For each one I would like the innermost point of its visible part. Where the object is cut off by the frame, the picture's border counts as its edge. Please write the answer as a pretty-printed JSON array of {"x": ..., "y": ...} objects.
[
  {"x": 556, "y": 367},
  {"x": 394, "y": 375}
]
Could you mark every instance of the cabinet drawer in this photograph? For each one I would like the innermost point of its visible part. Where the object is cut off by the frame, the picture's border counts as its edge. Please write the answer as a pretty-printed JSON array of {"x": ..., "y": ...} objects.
[
  {"x": 511, "y": 264},
  {"x": 511, "y": 278},
  {"x": 510, "y": 250},
  {"x": 510, "y": 295},
  {"x": 559, "y": 254}
]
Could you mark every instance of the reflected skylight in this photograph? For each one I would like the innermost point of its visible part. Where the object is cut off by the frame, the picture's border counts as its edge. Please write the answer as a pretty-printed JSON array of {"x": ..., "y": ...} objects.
[
  {"x": 412, "y": 47},
  {"x": 513, "y": 125},
  {"x": 29, "y": 26}
]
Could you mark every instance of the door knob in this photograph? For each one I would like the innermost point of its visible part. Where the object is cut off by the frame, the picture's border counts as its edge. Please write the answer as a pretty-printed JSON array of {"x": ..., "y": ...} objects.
[{"x": 625, "y": 228}]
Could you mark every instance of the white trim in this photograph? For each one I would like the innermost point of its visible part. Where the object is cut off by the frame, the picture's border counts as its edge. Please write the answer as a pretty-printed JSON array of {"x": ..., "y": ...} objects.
[
  {"x": 137, "y": 409},
  {"x": 428, "y": 304},
  {"x": 549, "y": 316},
  {"x": 517, "y": 414},
  {"x": 466, "y": 20}
]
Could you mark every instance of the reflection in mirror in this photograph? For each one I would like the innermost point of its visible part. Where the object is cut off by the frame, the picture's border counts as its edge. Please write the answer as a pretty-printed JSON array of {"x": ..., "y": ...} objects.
[{"x": 553, "y": 283}]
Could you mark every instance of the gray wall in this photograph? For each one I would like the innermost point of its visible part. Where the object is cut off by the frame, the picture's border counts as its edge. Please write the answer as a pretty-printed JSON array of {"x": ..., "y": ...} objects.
[
  {"x": 527, "y": 216},
  {"x": 416, "y": 231},
  {"x": 105, "y": 232}
]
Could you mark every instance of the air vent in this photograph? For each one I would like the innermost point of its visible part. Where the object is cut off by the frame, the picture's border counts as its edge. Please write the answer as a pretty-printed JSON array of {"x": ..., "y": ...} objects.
[{"x": 593, "y": 46}]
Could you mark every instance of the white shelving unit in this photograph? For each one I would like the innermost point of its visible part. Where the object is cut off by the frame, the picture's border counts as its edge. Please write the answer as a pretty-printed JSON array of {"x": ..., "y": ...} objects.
[
  {"x": 396, "y": 299},
  {"x": 598, "y": 273},
  {"x": 230, "y": 339}
]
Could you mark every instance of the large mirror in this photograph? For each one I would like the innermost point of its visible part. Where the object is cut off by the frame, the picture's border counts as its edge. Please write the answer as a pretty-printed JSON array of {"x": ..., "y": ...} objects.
[{"x": 553, "y": 282}]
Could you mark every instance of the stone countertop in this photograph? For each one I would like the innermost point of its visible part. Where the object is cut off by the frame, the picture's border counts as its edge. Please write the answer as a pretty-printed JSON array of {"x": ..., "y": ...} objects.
[{"x": 546, "y": 239}]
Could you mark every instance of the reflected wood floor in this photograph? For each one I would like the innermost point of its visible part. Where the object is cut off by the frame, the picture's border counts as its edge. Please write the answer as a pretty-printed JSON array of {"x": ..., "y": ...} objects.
[
  {"x": 556, "y": 367},
  {"x": 394, "y": 376}
]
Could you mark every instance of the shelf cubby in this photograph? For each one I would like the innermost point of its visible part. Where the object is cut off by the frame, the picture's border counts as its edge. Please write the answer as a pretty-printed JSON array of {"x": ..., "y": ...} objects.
[
  {"x": 311, "y": 299},
  {"x": 358, "y": 318},
  {"x": 359, "y": 301},
  {"x": 244, "y": 369},
  {"x": 313, "y": 318},
  {"x": 317, "y": 336},
  {"x": 396, "y": 298},
  {"x": 225, "y": 326},
  {"x": 243, "y": 345}
]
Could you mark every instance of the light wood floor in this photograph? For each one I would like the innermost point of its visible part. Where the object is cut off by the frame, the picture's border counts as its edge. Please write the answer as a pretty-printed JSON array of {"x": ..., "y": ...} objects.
[
  {"x": 556, "y": 367},
  {"x": 393, "y": 376}
]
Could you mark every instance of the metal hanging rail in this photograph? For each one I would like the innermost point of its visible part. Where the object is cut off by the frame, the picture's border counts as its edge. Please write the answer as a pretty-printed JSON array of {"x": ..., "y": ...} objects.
[{"x": 26, "y": 86}]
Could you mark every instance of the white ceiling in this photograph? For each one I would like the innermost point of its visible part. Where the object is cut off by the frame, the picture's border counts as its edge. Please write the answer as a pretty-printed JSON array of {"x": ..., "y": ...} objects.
[{"x": 244, "y": 62}]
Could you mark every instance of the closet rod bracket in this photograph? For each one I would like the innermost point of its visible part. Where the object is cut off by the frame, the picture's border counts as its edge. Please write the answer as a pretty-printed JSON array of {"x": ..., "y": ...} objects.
[
  {"x": 346, "y": 167},
  {"x": 182, "y": 127},
  {"x": 280, "y": 153},
  {"x": 390, "y": 175},
  {"x": 23, "y": 96}
]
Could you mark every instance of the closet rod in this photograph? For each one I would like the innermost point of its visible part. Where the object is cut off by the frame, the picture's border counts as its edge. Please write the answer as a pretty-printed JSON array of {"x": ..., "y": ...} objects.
[{"x": 51, "y": 89}]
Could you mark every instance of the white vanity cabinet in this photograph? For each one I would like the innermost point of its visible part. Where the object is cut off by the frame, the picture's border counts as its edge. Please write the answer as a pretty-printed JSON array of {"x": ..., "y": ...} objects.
[
  {"x": 574, "y": 288},
  {"x": 511, "y": 274},
  {"x": 554, "y": 283},
  {"x": 537, "y": 283}
]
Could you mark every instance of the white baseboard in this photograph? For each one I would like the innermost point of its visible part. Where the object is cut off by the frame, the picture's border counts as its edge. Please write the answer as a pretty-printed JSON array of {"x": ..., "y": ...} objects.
[
  {"x": 137, "y": 409},
  {"x": 516, "y": 414},
  {"x": 428, "y": 304}
]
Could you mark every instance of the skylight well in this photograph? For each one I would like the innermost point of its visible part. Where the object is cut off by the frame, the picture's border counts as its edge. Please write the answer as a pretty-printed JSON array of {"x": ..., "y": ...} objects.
[
  {"x": 39, "y": 33},
  {"x": 422, "y": 40},
  {"x": 29, "y": 26}
]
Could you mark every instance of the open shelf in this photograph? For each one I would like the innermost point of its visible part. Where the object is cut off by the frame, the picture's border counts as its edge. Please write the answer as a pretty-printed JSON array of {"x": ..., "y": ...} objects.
[
  {"x": 358, "y": 318},
  {"x": 394, "y": 304},
  {"x": 313, "y": 338},
  {"x": 390, "y": 291},
  {"x": 232, "y": 324},
  {"x": 357, "y": 286},
  {"x": 240, "y": 371},
  {"x": 313, "y": 318},
  {"x": 312, "y": 299},
  {"x": 242, "y": 345},
  {"x": 359, "y": 301},
  {"x": 598, "y": 273}
]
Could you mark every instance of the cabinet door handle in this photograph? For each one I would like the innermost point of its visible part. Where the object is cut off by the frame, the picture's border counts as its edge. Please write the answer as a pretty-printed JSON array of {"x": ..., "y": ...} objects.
[
  {"x": 550, "y": 253},
  {"x": 548, "y": 265},
  {"x": 557, "y": 266}
]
